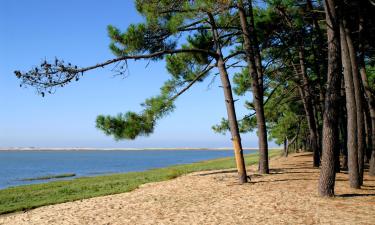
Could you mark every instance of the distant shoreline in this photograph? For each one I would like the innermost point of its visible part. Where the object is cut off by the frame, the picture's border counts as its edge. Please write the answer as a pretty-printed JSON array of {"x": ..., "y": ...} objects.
[{"x": 121, "y": 149}]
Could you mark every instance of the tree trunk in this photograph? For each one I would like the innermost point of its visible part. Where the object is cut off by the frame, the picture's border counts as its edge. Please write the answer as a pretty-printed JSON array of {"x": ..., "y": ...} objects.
[
  {"x": 371, "y": 106},
  {"x": 308, "y": 106},
  {"x": 343, "y": 128},
  {"x": 344, "y": 135},
  {"x": 319, "y": 56},
  {"x": 320, "y": 70},
  {"x": 229, "y": 103},
  {"x": 330, "y": 125},
  {"x": 286, "y": 147},
  {"x": 368, "y": 94},
  {"x": 303, "y": 85},
  {"x": 359, "y": 104},
  {"x": 351, "y": 112},
  {"x": 253, "y": 60},
  {"x": 371, "y": 124},
  {"x": 368, "y": 133}
]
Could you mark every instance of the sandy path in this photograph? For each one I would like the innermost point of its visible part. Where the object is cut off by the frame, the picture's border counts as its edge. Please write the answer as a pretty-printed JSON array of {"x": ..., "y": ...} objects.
[{"x": 287, "y": 196}]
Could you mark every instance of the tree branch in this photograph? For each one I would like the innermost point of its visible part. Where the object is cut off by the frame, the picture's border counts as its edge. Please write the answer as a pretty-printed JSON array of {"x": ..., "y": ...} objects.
[{"x": 49, "y": 75}]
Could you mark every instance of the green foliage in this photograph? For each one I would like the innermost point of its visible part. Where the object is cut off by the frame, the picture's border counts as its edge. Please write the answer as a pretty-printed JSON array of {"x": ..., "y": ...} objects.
[
  {"x": 370, "y": 70},
  {"x": 139, "y": 39},
  {"x": 201, "y": 40},
  {"x": 163, "y": 10},
  {"x": 159, "y": 33},
  {"x": 285, "y": 114},
  {"x": 125, "y": 126},
  {"x": 31, "y": 196},
  {"x": 222, "y": 127},
  {"x": 247, "y": 124},
  {"x": 242, "y": 82},
  {"x": 180, "y": 66},
  {"x": 131, "y": 125},
  {"x": 185, "y": 66}
]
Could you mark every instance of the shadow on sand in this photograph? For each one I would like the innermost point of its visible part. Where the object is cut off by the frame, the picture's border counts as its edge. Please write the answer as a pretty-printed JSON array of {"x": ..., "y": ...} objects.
[
  {"x": 354, "y": 195},
  {"x": 217, "y": 172}
]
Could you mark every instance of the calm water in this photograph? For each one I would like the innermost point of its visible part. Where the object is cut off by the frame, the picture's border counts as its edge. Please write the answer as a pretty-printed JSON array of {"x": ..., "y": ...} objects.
[{"x": 18, "y": 165}]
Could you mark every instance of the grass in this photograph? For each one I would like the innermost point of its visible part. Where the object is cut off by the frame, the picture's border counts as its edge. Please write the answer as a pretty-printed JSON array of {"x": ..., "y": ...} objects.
[
  {"x": 64, "y": 175},
  {"x": 32, "y": 196}
]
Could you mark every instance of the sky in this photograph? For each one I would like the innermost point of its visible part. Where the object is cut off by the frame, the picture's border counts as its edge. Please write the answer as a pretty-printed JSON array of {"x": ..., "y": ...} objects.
[{"x": 31, "y": 31}]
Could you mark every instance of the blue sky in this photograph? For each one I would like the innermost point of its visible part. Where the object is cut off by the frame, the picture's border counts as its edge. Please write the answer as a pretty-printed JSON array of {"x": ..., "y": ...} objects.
[{"x": 76, "y": 32}]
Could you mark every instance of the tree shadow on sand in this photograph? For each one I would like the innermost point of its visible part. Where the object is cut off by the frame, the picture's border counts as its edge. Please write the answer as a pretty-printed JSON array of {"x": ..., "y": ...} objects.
[
  {"x": 281, "y": 180},
  {"x": 254, "y": 174},
  {"x": 217, "y": 172},
  {"x": 354, "y": 195},
  {"x": 293, "y": 172},
  {"x": 304, "y": 167},
  {"x": 302, "y": 155}
]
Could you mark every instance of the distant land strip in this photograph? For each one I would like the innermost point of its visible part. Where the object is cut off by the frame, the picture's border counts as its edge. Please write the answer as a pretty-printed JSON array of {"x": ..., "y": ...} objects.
[{"x": 117, "y": 149}]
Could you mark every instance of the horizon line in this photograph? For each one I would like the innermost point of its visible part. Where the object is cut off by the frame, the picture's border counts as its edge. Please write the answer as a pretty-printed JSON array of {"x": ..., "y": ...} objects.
[{"x": 125, "y": 149}]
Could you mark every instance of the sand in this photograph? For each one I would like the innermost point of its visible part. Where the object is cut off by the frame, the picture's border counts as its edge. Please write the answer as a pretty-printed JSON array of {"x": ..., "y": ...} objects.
[{"x": 287, "y": 196}]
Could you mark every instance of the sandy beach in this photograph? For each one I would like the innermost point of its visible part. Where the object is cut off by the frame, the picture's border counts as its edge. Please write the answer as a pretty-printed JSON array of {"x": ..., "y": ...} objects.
[{"x": 287, "y": 196}]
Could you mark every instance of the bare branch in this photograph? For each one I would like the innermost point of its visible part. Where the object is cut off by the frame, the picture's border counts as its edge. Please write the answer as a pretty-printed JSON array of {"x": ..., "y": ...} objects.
[{"x": 49, "y": 75}]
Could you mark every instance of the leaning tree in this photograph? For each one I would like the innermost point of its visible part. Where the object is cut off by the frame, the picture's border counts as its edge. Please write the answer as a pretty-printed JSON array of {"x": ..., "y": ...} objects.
[{"x": 191, "y": 36}]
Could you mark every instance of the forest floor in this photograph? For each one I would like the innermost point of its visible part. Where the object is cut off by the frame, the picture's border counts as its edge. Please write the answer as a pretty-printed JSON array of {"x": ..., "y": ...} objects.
[{"x": 287, "y": 196}]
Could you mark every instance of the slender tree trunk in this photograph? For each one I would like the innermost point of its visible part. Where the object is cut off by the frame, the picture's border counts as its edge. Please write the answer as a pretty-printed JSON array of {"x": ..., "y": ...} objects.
[
  {"x": 319, "y": 127},
  {"x": 372, "y": 164},
  {"x": 319, "y": 58},
  {"x": 344, "y": 135},
  {"x": 343, "y": 128},
  {"x": 359, "y": 106},
  {"x": 371, "y": 106},
  {"x": 368, "y": 94},
  {"x": 368, "y": 133},
  {"x": 351, "y": 112},
  {"x": 319, "y": 55},
  {"x": 304, "y": 86},
  {"x": 332, "y": 98},
  {"x": 254, "y": 64},
  {"x": 337, "y": 160},
  {"x": 305, "y": 91},
  {"x": 286, "y": 147},
  {"x": 229, "y": 103}
]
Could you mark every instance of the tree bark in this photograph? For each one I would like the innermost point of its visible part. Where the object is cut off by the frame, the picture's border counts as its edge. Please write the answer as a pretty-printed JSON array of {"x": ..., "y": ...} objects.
[
  {"x": 303, "y": 84},
  {"x": 319, "y": 55},
  {"x": 368, "y": 133},
  {"x": 330, "y": 125},
  {"x": 286, "y": 147},
  {"x": 305, "y": 91},
  {"x": 343, "y": 128},
  {"x": 371, "y": 123},
  {"x": 351, "y": 112},
  {"x": 359, "y": 103},
  {"x": 255, "y": 69},
  {"x": 370, "y": 98},
  {"x": 229, "y": 103},
  {"x": 371, "y": 106},
  {"x": 344, "y": 135}
]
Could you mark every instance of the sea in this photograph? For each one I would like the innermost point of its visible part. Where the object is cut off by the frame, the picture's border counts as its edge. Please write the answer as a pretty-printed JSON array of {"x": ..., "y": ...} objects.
[{"x": 18, "y": 167}]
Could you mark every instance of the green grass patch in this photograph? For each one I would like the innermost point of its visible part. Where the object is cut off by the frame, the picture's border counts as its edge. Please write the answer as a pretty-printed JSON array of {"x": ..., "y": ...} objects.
[
  {"x": 64, "y": 175},
  {"x": 31, "y": 196}
]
